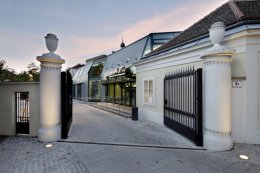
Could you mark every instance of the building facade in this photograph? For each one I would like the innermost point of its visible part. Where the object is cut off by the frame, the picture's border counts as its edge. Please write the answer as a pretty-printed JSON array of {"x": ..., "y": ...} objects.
[
  {"x": 119, "y": 74},
  {"x": 94, "y": 78},
  {"x": 242, "y": 21},
  {"x": 112, "y": 78},
  {"x": 85, "y": 77}
]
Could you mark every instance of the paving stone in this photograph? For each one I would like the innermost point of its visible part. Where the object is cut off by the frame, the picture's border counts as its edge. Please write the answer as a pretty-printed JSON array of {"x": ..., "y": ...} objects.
[
  {"x": 91, "y": 124},
  {"x": 26, "y": 154}
]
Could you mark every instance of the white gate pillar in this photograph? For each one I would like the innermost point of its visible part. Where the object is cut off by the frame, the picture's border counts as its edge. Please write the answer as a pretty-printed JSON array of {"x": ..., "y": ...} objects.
[
  {"x": 217, "y": 77},
  {"x": 50, "y": 89}
]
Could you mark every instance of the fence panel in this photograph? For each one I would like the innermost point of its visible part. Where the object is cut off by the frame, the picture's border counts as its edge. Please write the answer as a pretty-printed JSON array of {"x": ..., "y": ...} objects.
[
  {"x": 66, "y": 103},
  {"x": 22, "y": 111},
  {"x": 183, "y": 103}
]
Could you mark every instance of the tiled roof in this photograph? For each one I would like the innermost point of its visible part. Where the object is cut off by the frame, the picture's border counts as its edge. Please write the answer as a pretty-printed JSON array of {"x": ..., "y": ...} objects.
[
  {"x": 251, "y": 9},
  {"x": 229, "y": 13}
]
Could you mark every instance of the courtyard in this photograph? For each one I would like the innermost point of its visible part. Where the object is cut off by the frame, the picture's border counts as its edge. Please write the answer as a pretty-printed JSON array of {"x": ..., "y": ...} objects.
[{"x": 198, "y": 76}]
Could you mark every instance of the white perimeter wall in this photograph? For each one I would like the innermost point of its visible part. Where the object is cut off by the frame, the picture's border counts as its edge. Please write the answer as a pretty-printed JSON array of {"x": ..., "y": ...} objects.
[
  {"x": 245, "y": 69},
  {"x": 7, "y": 106}
]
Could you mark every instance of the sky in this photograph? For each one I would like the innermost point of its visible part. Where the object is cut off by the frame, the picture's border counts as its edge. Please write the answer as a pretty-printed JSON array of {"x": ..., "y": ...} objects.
[{"x": 88, "y": 28}]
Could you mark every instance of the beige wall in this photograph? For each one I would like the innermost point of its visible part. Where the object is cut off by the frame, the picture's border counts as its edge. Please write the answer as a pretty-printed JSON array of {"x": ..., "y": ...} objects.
[{"x": 7, "y": 106}]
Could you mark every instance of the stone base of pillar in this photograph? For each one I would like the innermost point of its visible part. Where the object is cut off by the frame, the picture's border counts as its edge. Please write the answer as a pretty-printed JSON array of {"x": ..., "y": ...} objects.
[
  {"x": 49, "y": 134},
  {"x": 217, "y": 142}
]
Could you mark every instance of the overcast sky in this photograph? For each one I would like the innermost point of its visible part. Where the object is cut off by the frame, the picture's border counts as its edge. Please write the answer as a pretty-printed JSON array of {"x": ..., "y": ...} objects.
[{"x": 87, "y": 28}]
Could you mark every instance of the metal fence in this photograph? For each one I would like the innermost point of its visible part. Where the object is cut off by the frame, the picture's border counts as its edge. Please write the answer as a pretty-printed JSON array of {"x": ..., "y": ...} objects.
[
  {"x": 183, "y": 103},
  {"x": 66, "y": 103},
  {"x": 22, "y": 112}
]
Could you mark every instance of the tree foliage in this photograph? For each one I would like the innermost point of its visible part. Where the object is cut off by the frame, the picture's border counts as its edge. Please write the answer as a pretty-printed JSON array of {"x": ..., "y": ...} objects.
[
  {"x": 33, "y": 71},
  {"x": 9, "y": 75}
]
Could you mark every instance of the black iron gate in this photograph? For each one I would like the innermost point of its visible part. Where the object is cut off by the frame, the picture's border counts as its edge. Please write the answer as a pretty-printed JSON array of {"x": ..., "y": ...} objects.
[
  {"x": 183, "y": 103},
  {"x": 22, "y": 112},
  {"x": 66, "y": 103}
]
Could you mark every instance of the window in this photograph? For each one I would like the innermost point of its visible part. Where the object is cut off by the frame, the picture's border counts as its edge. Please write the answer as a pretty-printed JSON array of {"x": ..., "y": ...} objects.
[{"x": 149, "y": 92}]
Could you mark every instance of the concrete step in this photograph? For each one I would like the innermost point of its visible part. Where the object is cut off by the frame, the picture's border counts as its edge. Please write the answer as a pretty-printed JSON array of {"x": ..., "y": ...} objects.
[{"x": 115, "y": 111}]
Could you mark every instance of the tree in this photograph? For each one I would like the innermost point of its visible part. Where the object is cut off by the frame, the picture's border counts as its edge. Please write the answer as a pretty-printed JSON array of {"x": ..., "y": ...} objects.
[
  {"x": 33, "y": 72},
  {"x": 2, "y": 65},
  {"x": 22, "y": 77},
  {"x": 6, "y": 74}
]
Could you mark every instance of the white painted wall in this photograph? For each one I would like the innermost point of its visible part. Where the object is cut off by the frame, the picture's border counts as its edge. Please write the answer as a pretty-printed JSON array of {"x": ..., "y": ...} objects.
[
  {"x": 7, "y": 106},
  {"x": 150, "y": 112},
  {"x": 245, "y": 67},
  {"x": 252, "y": 90},
  {"x": 238, "y": 112}
]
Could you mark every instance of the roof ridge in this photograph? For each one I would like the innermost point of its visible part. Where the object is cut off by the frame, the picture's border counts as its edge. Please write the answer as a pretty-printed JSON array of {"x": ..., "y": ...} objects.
[
  {"x": 187, "y": 29},
  {"x": 235, "y": 9},
  {"x": 206, "y": 16}
]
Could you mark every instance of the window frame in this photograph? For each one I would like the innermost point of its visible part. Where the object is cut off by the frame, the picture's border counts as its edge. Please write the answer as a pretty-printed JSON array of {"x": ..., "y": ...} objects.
[{"x": 153, "y": 93}]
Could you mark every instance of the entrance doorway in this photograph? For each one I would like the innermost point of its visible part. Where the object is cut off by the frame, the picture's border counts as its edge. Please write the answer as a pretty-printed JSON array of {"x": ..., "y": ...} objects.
[{"x": 22, "y": 112}]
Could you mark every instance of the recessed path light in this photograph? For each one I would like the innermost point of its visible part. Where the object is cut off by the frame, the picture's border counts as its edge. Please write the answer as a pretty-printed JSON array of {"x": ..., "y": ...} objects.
[
  {"x": 244, "y": 157},
  {"x": 48, "y": 145}
]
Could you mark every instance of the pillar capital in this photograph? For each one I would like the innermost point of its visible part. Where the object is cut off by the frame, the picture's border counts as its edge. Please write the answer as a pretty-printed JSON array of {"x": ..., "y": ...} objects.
[
  {"x": 50, "y": 60},
  {"x": 219, "y": 54},
  {"x": 50, "y": 57}
]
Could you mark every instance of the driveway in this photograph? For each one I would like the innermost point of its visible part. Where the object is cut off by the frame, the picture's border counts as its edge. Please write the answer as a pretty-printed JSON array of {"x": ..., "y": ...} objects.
[{"x": 95, "y": 125}]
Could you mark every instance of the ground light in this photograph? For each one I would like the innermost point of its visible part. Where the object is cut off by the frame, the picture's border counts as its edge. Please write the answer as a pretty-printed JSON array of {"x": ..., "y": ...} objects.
[
  {"x": 48, "y": 145},
  {"x": 244, "y": 157}
]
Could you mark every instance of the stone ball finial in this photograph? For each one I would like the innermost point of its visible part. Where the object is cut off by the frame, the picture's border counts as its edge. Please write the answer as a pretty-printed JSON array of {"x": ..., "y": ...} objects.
[
  {"x": 216, "y": 33},
  {"x": 51, "y": 41}
]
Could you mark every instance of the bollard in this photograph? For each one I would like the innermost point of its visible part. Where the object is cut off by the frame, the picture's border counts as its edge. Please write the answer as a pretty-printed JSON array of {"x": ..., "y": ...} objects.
[{"x": 134, "y": 113}]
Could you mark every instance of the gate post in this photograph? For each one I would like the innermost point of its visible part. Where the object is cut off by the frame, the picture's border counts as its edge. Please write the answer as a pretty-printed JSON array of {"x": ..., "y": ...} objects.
[
  {"x": 50, "y": 94},
  {"x": 217, "y": 92}
]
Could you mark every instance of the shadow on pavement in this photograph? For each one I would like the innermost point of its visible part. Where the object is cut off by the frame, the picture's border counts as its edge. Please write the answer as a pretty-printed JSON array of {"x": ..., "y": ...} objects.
[{"x": 2, "y": 138}]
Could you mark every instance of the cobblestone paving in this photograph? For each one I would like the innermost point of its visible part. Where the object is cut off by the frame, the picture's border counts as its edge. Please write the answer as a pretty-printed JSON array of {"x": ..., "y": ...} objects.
[
  {"x": 27, "y": 155},
  {"x": 92, "y": 124},
  {"x": 114, "y": 159}
]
